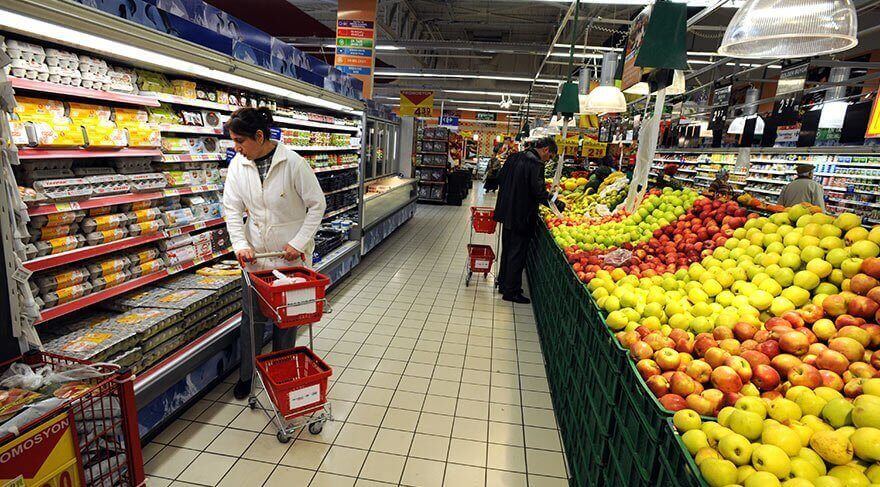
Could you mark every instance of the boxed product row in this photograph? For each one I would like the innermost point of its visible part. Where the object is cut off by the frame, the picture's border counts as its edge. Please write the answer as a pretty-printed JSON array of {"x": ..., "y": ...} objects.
[
  {"x": 330, "y": 159},
  {"x": 432, "y": 146},
  {"x": 197, "y": 90},
  {"x": 431, "y": 174},
  {"x": 430, "y": 159},
  {"x": 165, "y": 114},
  {"x": 337, "y": 201},
  {"x": 433, "y": 133},
  {"x": 305, "y": 138},
  {"x": 32, "y": 61},
  {"x": 315, "y": 117},
  {"x": 43, "y": 122},
  {"x": 332, "y": 181},
  {"x": 431, "y": 192}
]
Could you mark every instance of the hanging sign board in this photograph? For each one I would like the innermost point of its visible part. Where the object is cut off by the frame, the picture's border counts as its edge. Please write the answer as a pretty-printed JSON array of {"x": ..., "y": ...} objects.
[
  {"x": 632, "y": 74},
  {"x": 415, "y": 103},
  {"x": 874, "y": 122},
  {"x": 593, "y": 148},
  {"x": 449, "y": 121},
  {"x": 791, "y": 87},
  {"x": 43, "y": 456},
  {"x": 720, "y": 100},
  {"x": 356, "y": 41},
  {"x": 489, "y": 117}
]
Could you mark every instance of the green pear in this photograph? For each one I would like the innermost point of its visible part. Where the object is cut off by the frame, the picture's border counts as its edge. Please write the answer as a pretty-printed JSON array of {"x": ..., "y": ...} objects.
[
  {"x": 716, "y": 434},
  {"x": 742, "y": 473},
  {"x": 866, "y": 411},
  {"x": 811, "y": 404},
  {"x": 828, "y": 481},
  {"x": 694, "y": 440},
  {"x": 797, "y": 482},
  {"x": 850, "y": 476},
  {"x": 866, "y": 443},
  {"x": 771, "y": 458},
  {"x": 718, "y": 473},
  {"x": 815, "y": 424},
  {"x": 782, "y": 409},
  {"x": 783, "y": 437},
  {"x": 871, "y": 387},
  {"x": 753, "y": 405},
  {"x": 814, "y": 459},
  {"x": 833, "y": 447},
  {"x": 746, "y": 423},
  {"x": 801, "y": 468},
  {"x": 873, "y": 473},
  {"x": 706, "y": 454},
  {"x": 735, "y": 448},
  {"x": 761, "y": 479},
  {"x": 838, "y": 412},
  {"x": 724, "y": 416}
]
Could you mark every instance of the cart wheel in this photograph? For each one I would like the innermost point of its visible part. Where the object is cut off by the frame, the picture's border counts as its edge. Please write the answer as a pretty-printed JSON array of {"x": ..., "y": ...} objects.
[
  {"x": 282, "y": 437},
  {"x": 316, "y": 428},
  {"x": 252, "y": 403}
]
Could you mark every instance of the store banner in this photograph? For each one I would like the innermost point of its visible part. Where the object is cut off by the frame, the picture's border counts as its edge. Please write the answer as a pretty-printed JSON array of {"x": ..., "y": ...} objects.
[
  {"x": 415, "y": 103},
  {"x": 632, "y": 74},
  {"x": 46, "y": 455},
  {"x": 450, "y": 121},
  {"x": 356, "y": 41}
]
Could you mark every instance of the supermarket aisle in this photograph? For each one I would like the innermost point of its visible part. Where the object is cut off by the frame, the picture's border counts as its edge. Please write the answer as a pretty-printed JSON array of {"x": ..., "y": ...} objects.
[{"x": 433, "y": 384}]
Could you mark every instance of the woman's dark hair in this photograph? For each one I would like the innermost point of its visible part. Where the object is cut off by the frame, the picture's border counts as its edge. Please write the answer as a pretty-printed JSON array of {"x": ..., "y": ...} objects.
[
  {"x": 547, "y": 142},
  {"x": 247, "y": 121}
]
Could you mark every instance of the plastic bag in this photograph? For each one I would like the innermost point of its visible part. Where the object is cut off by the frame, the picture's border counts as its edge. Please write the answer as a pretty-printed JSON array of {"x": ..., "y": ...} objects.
[
  {"x": 22, "y": 376},
  {"x": 617, "y": 257},
  {"x": 602, "y": 210},
  {"x": 30, "y": 413}
]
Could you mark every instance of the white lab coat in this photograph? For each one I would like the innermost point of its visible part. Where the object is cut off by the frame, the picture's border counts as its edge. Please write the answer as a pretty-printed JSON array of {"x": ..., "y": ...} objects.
[{"x": 286, "y": 208}]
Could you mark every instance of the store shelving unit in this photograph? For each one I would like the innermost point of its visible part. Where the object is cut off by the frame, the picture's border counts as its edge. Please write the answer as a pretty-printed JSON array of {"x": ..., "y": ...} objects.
[{"x": 432, "y": 163}]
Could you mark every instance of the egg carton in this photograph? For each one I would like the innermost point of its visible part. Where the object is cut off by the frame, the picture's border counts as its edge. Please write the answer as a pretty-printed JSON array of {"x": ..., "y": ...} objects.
[
  {"x": 58, "y": 245},
  {"x": 104, "y": 222},
  {"x": 110, "y": 280},
  {"x": 146, "y": 322},
  {"x": 51, "y": 282},
  {"x": 147, "y": 268},
  {"x": 146, "y": 228},
  {"x": 91, "y": 343},
  {"x": 48, "y": 233},
  {"x": 218, "y": 284},
  {"x": 147, "y": 182},
  {"x": 107, "y": 267},
  {"x": 185, "y": 300},
  {"x": 153, "y": 356},
  {"x": 55, "y": 219},
  {"x": 64, "y": 189},
  {"x": 67, "y": 294},
  {"x": 128, "y": 358},
  {"x": 162, "y": 336},
  {"x": 142, "y": 256}
]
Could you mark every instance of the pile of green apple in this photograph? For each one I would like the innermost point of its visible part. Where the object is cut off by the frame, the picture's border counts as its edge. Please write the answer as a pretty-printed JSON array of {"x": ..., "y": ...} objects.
[
  {"x": 657, "y": 209},
  {"x": 793, "y": 441}
]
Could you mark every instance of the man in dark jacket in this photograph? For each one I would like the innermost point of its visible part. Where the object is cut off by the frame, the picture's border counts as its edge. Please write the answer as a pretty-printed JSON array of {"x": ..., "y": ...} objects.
[
  {"x": 604, "y": 168},
  {"x": 521, "y": 190}
]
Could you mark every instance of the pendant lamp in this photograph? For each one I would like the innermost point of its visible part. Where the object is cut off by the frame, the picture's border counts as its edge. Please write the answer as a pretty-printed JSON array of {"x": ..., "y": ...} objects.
[
  {"x": 643, "y": 88},
  {"x": 607, "y": 98},
  {"x": 790, "y": 29},
  {"x": 567, "y": 102}
]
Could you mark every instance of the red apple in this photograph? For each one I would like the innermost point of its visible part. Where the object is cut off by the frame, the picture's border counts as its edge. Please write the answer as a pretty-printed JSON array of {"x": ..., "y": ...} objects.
[
  {"x": 862, "y": 307},
  {"x": 681, "y": 384},
  {"x": 794, "y": 343},
  {"x": 647, "y": 368},
  {"x": 627, "y": 338},
  {"x": 848, "y": 320},
  {"x": 765, "y": 377},
  {"x": 833, "y": 361},
  {"x": 875, "y": 359},
  {"x": 731, "y": 345},
  {"x": 871, "y": 267},
  {"x": 716, "y": 356},
  {"x": 643, "y": 331},
  {"x": 658, "y": 385},
  {"x": 874, "y": 332},
  {"x": 715, "y": 397},
  {"x": 673, "y": 402},
  {"x": 677, "y": 334},
  {"x": 770, "y": 348},
  {"x": 851, "y": 349},
  {"x": 853, "y": 388},
  {"x": 726, "y": 379},
  {"x": 832, "y": 380},
  {"x": 809, "y": 359},
  {"x": 776, "y": 321},
  {"x": 667, "y": 359},
  {"x": 794, "y": 318},
  {"x": 811, "y": 313},
  {"x": 834, "y": 305},
  {"x": 730, "y": 398},
  {"x": 699, "y": 404},
  {"x": 805, "y": 375},
  {"x": 748, "y": 345},
  {"x": 761, "y": 336},
  {"x": 744, "y": 331},
  {"x": 741, "y": 366},
  {"x": 811, "y": 337},
  {"x": 722, "y": 333},
  {"x": 817, "y": 348},
  {"x": 771, "y": 395},
  {"x": 874, "y": 294},
  {"x": 862, "y": 370},
  {"x": 684, "y": 345},
  {"x": 862, "y": 283},
  {"x": 755, "y": 358},
  {"x": 699, "y": 370},
  {"x": 657, "y": 341},
  {"x": 702, "y": 343},
  {"x": 784, "y": 362},
  {"x": 640, "y": 350},
  {"x": 683, "y": 360}
]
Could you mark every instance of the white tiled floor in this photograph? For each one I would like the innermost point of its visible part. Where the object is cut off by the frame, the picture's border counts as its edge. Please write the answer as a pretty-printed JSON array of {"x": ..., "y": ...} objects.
[{"x": 434, "y": 384}]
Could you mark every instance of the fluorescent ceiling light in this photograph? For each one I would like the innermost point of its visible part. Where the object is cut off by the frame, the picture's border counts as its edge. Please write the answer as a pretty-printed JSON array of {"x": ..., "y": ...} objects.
[
  {"x": 577, "y": 55},
  {"x": 495, "y": 93},
  {"x": 472, "y": 102},
  {"x": 690, "y": 3},
  {"x": 111, "y": 48},
  {"x": 392, "y": 74},
  {"x": 620, "y": 49},
  {"x": 468, "y": 109}
]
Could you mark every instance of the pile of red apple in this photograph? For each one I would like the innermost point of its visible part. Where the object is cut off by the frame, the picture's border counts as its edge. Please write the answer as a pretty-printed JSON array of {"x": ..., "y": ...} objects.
[
  {"x": 836, "y": 345},
  {"x": 706, "y": 225}
]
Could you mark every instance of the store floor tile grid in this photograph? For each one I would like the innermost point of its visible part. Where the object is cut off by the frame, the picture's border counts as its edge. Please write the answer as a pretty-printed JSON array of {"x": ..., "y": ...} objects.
[{"x": 434, "y": 384}]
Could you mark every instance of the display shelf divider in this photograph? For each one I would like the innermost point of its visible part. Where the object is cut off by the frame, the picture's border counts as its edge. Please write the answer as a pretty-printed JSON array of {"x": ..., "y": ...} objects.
[
  {"x": 117, "y": 199},
  {"x": 189, "y": 129},
  {"x": 341, "y": 210},
  {"x": 212, "y": 156},
  {"x": 310, "y": 123},
  {"x": 43, "y": 153},
  {"x": 335, "y": 168},
  {"x": 192, "y": 102},
  {"x": 79, "y": 92}
]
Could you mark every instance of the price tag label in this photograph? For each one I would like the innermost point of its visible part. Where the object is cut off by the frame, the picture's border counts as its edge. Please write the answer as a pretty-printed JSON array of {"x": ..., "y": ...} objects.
[
  {"x": 175, "y": 269},
  {"x": 170, "y": 192},
  {"x": 71, "y": 206},
  {"x": 172, "y": 232}
]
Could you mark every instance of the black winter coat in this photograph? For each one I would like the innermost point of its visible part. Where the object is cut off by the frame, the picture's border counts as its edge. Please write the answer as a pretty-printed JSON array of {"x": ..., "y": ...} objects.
[{"x": 521, "y": 190}]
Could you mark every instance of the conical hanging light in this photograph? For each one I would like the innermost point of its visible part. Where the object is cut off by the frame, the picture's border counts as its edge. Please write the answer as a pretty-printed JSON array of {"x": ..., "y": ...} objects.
[
  {"x": 676, "y": 88},
  {"x": 790, "y": 29},
  {"x": 607, "y": 98}
]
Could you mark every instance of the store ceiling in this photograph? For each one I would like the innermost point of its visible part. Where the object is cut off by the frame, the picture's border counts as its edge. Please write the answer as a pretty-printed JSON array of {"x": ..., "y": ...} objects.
[{"x": 473, "y": 51}]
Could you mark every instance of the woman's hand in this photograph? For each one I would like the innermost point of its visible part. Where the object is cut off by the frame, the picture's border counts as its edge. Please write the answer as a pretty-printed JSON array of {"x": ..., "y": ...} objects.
[
  {"x": 291, "y": 253},
  {"x": 245, "y": 255}
]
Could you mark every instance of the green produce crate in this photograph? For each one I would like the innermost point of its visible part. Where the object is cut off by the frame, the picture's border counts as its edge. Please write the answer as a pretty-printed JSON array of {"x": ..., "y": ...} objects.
[{"x": 677, "y": 467}]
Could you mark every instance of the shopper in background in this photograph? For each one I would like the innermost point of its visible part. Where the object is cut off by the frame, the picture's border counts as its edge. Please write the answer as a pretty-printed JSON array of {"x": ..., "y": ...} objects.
[
  {"x": 284, "y": 203},
  {"x": 492, "y": 171},
  {"x": 604, "y": 168},
  {"x": 666, "y": 179},
  {"x": 803, "y": 189},
  {"x": 521, "y": 190},
  {"x": 721, "y": 185}
]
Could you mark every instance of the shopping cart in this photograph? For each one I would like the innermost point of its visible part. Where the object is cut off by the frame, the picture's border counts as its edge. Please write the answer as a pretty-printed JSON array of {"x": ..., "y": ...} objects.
[
  {"x": 481, "y": 256},
  {"x": 295, "y": 379}
]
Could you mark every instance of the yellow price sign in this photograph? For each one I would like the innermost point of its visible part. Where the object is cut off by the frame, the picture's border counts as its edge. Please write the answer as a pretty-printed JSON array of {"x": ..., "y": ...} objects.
[{"x": 42, "y": 457}]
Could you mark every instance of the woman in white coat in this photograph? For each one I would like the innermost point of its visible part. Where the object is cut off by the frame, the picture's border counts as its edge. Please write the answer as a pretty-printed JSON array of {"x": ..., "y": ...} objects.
[{"x": 278, "y": 192}]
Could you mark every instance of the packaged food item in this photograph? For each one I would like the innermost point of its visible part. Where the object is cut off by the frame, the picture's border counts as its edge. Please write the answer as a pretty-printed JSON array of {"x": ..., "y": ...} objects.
[
  {"x": 110, "y": 280},
  {"x": 96, "y": 343},
  {"x": 55, "y": 219},
  {"x": 143, "y": 215},
  {"x": 180, "y": 255},
  {"x": 191, "y": 118},
  {"x": 48, "y": 233},
  {"x": 175, "y": 242},
  {"x": 176, "y": 218},
  {"x": 146, "y": 228},
  {"x": 176, "y": 145},
  {"x": 139, "y": 205},
  {"x": 61, "y": 279},
  {"x": 220, "y": 270},
  {"x": 68, "y": 390},
  {"x": 164, "y": 114},
  {"x": 59, "y": 245},
  {"x": 145, "y": 322},
  {"x": 12, "y": 401},
  {"x": 202, "y": 244},
  {"x": 184, "y": 88},
  {"x": 147, "y": 268},
  {"x": 107, "y": 184},
  {"x": 31, "y": 197},
  {"x": 106, "y": 236},
  {"x": 101, "y": 211},
  {"x": 67, "y": 294},
  {"x": 106, "y": 222},
  {"x": 142, "y": 256},
  {"x": 108, "y": 266},
  {"x": 64, "y": 189},
  {"x": 139, "y": 130},
  {"x": 147, "y": 182},
  {"x": 219, "y": 284},
  {"x": 42, "y": 122}
]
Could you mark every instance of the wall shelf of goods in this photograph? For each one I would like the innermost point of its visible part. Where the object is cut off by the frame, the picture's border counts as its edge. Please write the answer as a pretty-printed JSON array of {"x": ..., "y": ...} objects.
[
  {"x": 432, "y": 162},
  {"x": 121, "y": 169},
  {"x": 849, "y": 175}
]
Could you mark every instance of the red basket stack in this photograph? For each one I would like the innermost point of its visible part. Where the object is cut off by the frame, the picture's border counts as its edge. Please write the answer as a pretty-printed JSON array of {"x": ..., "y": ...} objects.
[
  {"x": 481, "y": 258},
  {"x": 295, "y": 379},
  {"x": 482, "y": 218},
  {"x": 274, "y": 303}
]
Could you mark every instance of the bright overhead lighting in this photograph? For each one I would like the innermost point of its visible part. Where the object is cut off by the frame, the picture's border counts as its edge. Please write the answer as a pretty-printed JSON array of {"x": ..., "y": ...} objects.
[
  {"x": 88, "y": 42},
  {"x": 392, "y": 74},
  {"x": 495, "y": 93},
  {"x": 577, "y": 55},
  {"x": 690, "y": 3},
  {"x": 732, "y": 63}
]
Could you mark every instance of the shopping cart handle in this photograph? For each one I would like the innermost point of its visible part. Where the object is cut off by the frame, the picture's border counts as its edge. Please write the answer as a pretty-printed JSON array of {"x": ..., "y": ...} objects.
[{"x": 266, "y": 255}]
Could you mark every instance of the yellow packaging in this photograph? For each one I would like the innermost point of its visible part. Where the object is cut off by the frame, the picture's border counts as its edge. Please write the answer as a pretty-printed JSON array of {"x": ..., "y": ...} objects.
[
  {"x": 63, "y": 244},
  {"x": 114, "y": 279},
  {"x": 143, "y": 136},
  {"x": 78, "y": 111},
  {"x": 28, "y": 108},
  {"x": 131, "y": 116},
  {"x": 58, "y": 132},
  {"x": 184, "y": 88},
  {"x": 103, "y": 133}
]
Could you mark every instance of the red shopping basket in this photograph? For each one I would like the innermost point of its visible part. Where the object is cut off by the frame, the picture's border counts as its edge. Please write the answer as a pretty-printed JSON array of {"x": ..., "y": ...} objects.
[
  {"x": 482, "y": 218},
  {"x": 480, "y": 258},
  {"x": 295, "y": 379},
  {"x": 284, "y": 302}
]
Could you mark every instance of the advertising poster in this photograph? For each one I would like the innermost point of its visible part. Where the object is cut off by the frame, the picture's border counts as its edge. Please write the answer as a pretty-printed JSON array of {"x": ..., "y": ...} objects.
[
  {"x": 356, "y": 41},
  {"x": 632, "y": 74},
  {"x": 416, "y": 103}
]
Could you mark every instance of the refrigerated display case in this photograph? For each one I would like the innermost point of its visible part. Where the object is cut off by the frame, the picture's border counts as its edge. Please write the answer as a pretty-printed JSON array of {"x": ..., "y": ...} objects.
[{"x": 381, "y": 148}]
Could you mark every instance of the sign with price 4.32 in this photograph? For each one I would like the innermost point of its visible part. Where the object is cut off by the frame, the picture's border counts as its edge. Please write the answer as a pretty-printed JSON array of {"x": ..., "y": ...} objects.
[{"x": 42, "y": 457}]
